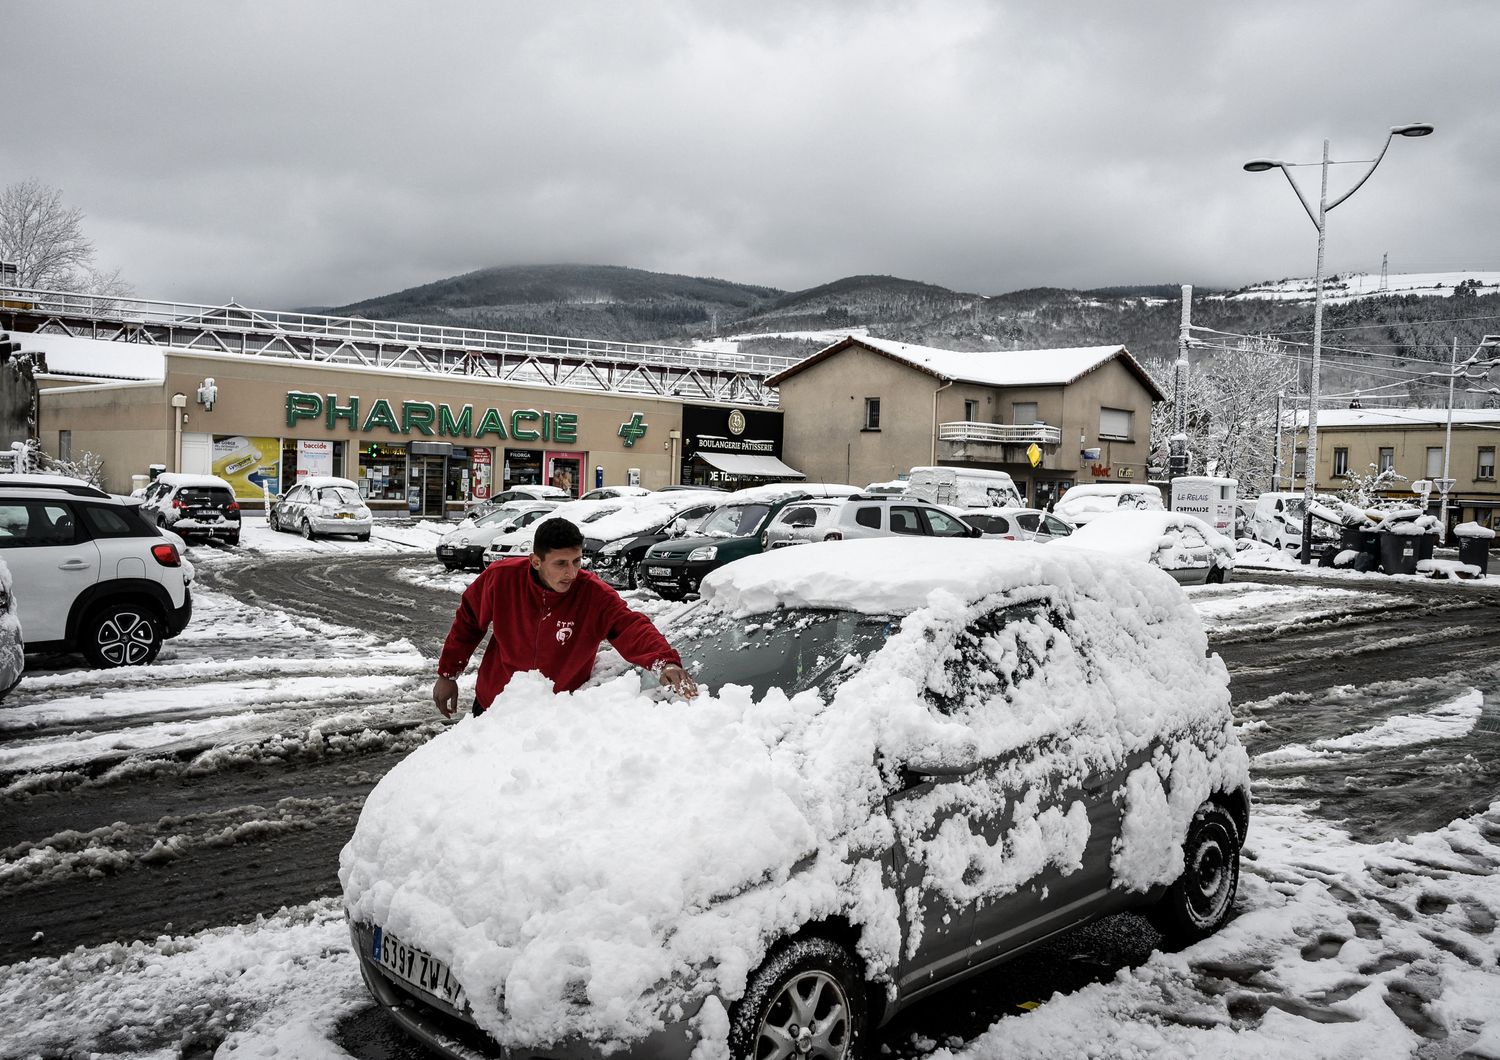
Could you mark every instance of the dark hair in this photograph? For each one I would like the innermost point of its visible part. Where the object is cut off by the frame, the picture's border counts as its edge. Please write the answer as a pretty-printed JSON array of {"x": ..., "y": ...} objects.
[{"x": 553, "y": 534}]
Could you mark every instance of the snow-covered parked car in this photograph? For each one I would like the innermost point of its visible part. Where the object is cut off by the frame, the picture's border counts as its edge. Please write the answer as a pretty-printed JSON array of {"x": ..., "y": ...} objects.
[
  {"x": 1082, "y": 504},
  {"x": 614, "y": 545},
  {"x": 1017, "y": 524},
  {"x": 464, "y": 545},
  {"x": 911, "y": 760},
  {"x": 323, "y": 504},
  {"x": 193, "y": 506},
  {"x": 1183, "y": 545},
  {"x": 517, "y": 542},
  {"x": 12, "y": 644}
]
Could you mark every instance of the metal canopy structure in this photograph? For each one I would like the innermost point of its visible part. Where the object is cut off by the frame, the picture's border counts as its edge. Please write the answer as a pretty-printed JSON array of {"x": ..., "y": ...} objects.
[{"x": 501, "y": 356}]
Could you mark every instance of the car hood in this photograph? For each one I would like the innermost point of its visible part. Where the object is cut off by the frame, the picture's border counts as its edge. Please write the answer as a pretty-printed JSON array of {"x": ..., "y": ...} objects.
[
  {"x": 575, "y": 853},
  {"x": 682, "y": 546}
]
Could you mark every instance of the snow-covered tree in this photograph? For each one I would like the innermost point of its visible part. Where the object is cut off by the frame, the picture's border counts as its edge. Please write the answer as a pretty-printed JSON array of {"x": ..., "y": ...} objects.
[
  {"x": 44, "y": 239},
  {"x": 1231, "y": 413},
  {"x": 1368, "y": 490}
]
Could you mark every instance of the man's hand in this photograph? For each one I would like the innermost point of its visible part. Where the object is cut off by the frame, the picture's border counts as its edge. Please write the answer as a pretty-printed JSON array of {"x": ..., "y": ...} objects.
[
  {"x": 679, "y": 681},
  {"x": 445, "y": 695}
]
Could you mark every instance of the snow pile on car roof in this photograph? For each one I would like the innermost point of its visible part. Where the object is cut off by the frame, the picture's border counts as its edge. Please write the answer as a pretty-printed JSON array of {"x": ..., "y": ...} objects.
[
  {"x": 1139, "y": 535},
  {"x": 597, "y": 864}
]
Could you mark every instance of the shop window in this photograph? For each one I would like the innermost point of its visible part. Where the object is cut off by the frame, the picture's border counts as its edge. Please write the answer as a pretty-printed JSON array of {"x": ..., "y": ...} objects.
[
  {"x": 523, "y": 467},
  {"x": 382, "y": 472},
  {"x": 1486, "y": 462},
  {"x": 1340, "y": 462},
  {"x": 872, "y": 414},
  {"x": 1115, "y": 424},
  {"x": 1387, "y": 458}
]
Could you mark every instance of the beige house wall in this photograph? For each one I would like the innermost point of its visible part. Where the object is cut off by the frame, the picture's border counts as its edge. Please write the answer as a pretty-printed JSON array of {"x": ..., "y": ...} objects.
[
  {"x": 128, "y": 425},
  {"x": 825, "y": 407}
]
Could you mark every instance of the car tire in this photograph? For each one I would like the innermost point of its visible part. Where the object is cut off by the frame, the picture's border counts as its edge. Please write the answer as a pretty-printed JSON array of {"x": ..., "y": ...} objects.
[
  {"x": 361, "y": 537},
  {"x": 232, "y": 539},
  {"x": 1216, "y": 575},
  {"x": 809, "y": 992},
  {"x": 1200, "y": 901},
  {"x": 669, "y": 594},
  {"x": 307, "y": 530},
  {"x": 120, "y": 634}
]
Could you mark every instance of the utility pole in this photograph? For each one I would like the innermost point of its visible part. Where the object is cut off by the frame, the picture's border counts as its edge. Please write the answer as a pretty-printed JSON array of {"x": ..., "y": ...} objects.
[
  {"x": 1276, "y": 473},
  {"x": 1445, "y": 483},
  {"x": 1178, "y": 462}
]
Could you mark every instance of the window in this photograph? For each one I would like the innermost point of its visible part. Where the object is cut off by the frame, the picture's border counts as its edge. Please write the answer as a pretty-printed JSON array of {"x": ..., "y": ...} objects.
[
  {"x": 108, "y": 522},
  {"x": 1023, "y": 412},
  {"x": 36, "y": 524},
  {"x": 1299, "y": 464},
  {"x": 905, "y": 521},
  {"x": 868, "y": 517},
  {"x": 1434, "y": 462},
  {"x": 1387, "y": 458},
  {"x": 872, "y": 414},
  {"x": 1341, "y": 461},
  {"x": 971, "y": 411},
  {"x": 941, "y": 524},
  {"x": 1486, "y": 462},
  {"x": 65, "y": 445},
  {"x": 1114, "y": 424}
]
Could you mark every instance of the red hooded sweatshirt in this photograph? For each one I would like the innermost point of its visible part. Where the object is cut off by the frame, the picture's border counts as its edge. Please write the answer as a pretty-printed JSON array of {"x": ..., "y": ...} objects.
[{"x": 535, "y": 628}]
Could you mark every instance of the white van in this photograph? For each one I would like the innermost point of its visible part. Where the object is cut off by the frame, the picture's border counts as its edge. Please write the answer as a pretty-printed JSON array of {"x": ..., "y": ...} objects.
[
  {"x": 1082, "y": 503},
  {"x": 964, "y": 487},
  {"x": 1210, "y": 499},
  {"x": 1278, "y": 519}
]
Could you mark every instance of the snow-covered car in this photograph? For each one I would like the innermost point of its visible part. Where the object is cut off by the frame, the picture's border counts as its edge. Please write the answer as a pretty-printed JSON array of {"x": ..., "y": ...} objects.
[
  {"x": 323, "y": 504},
  {"x": 12, "y": 644},
  {"x": 532, "y": 493},
  {"x": 199, "y": 507},
  {"x": 518, "y": 542},
  {"x": 911, "y": 760},
  {"x": 861, "y": 516},
  {"x": 614, "y": 546},
  {"x": 1017, "y": 524},
  {"x": 1183, "y": 545},
  {"x": 606, "y": 493},
  {"x": 464, "y": 545},
  {"x": 1081, "y": 504}
]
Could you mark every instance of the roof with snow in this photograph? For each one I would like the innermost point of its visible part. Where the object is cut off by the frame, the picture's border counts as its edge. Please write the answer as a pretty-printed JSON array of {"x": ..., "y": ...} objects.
[
  {"x": 67, "y": 355},
  {"x": 987, "y": 367},
  {"x": 1401, "y": 417}
]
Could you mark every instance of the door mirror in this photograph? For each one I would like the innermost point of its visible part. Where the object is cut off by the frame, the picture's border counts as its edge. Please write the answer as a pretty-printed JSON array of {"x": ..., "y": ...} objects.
[
  {"x": 974, "y": 531},
  {"x": 679, "y": 527}
]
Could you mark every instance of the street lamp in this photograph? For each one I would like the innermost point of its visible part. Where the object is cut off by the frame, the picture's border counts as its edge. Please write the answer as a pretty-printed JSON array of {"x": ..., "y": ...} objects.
[{"x": 1319, "y": 220}]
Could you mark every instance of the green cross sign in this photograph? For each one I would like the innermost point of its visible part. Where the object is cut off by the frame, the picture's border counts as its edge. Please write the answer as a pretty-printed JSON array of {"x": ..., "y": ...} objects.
[{"x": 633, "y": 431}]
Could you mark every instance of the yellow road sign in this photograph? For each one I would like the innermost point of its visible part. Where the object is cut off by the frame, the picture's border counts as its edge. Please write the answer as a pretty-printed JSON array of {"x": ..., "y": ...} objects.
[{"x": 1034, "y": 454}]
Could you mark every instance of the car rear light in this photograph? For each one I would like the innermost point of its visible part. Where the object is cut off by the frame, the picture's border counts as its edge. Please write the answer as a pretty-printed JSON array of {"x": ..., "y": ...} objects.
[
  {"x": 166, "y": 554},
  {"x": 834, "y": 535},
  {"x": 234, "y": 506},
  {"x": 177, "y": 502}
]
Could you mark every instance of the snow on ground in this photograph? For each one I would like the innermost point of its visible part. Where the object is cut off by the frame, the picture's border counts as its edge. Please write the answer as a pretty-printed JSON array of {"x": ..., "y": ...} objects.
[
  {"x": 1351, "y": 286},
  {"x": 1340, "y": 948}
]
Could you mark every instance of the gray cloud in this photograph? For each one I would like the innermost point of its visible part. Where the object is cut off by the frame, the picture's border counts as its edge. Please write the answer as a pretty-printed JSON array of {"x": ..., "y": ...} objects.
[{"x": 290, "y": 153}]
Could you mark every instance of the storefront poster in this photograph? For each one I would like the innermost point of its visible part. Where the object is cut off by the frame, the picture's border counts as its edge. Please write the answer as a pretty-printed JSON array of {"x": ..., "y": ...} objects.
[
  {"x": 251, "y": 466},
  {"x": 480, "y": 459},
  {"x": 314, "y": 458}
]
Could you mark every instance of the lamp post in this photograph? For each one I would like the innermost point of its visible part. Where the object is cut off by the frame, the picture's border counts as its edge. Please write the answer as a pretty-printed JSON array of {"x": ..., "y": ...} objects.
[{"x": 1319, "y": 220}]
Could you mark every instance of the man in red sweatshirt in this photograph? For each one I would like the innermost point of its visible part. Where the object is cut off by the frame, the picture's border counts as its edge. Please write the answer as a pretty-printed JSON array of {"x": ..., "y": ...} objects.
[{"x": 547, "y": 614}]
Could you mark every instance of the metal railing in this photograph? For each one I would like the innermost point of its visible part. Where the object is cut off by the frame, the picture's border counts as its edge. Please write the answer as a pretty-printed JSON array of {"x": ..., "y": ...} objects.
[
  {"x": 999, "y": 433},
  {"x": 550, "y": 360}
]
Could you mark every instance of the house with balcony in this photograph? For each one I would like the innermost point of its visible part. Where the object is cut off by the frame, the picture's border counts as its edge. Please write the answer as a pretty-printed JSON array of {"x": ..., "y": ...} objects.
[{"x": 867, "y": 410}]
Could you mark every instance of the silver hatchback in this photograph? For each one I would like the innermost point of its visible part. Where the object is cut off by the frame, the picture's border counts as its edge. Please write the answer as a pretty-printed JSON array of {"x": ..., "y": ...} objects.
[{"x": 317, "y": 506}]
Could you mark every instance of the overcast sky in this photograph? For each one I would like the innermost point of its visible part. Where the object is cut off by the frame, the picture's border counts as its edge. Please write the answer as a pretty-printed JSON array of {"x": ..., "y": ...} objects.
[{"x": 318, "y": 153}]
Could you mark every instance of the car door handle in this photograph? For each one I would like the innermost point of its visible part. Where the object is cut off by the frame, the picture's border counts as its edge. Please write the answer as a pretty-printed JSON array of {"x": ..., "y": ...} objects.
[{"x": 75, "y": 564}]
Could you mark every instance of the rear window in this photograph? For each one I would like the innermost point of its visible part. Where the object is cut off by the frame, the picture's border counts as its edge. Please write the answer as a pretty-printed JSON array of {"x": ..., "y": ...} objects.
[
  {"x": 215, "y": 496},
  {"x": 114, "y": 522}
]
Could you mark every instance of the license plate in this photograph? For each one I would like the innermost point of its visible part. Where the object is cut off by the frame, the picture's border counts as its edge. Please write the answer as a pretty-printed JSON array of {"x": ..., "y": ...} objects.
[
  {"x": 417, "y": 967},
  {"x": 343, "y": 515},
  {"x": 445, "y": 550},
  {"x": 660, "y": 572}
]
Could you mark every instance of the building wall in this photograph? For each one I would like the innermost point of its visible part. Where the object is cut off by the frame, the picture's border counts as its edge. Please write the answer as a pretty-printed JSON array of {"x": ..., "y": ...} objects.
[
  {"x": 133, "y": 426},
  {"x": 1111, "y": 385}
]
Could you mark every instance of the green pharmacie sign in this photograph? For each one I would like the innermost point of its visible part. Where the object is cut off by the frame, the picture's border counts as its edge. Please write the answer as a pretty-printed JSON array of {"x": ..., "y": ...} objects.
[{"x": 426, "y": 418}]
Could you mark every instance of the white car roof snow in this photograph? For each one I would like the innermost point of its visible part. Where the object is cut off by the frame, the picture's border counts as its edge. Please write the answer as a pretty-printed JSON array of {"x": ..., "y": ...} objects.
[
  {"x": 319, "y": 481},
  {"x": 177, "y": 478}
]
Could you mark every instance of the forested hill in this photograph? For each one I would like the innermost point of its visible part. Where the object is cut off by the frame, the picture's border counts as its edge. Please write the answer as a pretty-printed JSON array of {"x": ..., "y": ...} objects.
[{"x": 1392, "y": 335}]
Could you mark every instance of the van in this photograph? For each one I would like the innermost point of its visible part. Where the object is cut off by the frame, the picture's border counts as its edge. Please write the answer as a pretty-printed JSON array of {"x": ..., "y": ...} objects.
[
  {"x": 1211, "y": 499},
  {"x": 1277, "y": 519},
  {"x": 963, "y": 487}
]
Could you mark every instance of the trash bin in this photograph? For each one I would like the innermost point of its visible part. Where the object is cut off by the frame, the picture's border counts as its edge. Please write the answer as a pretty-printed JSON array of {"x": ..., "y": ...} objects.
[
  {"x": 1475, "y": 552},
  {"x": 1399, "y": 553}
]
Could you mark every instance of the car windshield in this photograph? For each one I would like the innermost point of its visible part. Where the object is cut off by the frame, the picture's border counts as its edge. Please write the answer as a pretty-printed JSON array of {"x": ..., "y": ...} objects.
[
  {"x": 496, "y": 517},
  {"x": 734, "y": 520},
  {"x": 793, "y": 650}
]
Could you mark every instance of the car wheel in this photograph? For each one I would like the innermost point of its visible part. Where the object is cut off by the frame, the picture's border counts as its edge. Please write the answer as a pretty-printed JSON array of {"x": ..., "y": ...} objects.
[
  {"x": 807, "y": 1000},
  {"x": 361, "y": 537},
  {"x": 670, "y": 594},
  {"x": 307, "y": 530},
  {"x": 232, "y": 539},
  {"x": 1215, "y": 575},
  {"x": 120, "y": 634},
  {"x": 1199, "y": 902}
]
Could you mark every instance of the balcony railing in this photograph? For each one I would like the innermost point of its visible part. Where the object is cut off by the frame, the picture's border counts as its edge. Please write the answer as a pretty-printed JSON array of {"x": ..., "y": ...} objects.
[{"x": 999, "y": 433}]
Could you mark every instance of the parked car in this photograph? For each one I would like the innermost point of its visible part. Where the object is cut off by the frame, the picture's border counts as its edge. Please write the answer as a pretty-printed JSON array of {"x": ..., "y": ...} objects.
[
  {"x": 196, "y": 507},
  {"x": 864, "y": 515},
  {"x": 963, "y": 487},
  {"x": 1183, "y": 545},
  {"x": 518, "y": 542},
  {"x": 1277, "y": 521},
  {"x": 321, "y": 504},
  {"x": 12, "y": 643},
  {"x": 605, "y": 493},
  {"x": 1082, "y": 503},
  {"x": 1017, "y": 524},
  {"x": 614, "y": 546},
  {"x": 93, "y": 574},
  {"x": 897, "y": 795},
  {"x": 532, "y": 493},
  {"x": 674, "y": 568},
  {"x": 464, "y": 545}
]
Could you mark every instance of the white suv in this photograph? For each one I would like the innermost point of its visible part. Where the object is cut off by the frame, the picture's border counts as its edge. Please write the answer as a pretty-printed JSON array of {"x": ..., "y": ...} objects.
[
  {"x": 91, "y": 574},
  {"x": 863, "y": 515}
]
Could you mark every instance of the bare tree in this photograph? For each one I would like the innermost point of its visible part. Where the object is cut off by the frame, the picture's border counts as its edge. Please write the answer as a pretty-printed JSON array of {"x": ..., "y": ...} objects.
[{"x": 44, "y": 239}]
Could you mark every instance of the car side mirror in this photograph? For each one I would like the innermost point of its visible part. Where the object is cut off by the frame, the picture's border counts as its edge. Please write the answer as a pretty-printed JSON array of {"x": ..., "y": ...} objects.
[
  {"x": 928, "y": 767},
  {"x": 974, "y": 531},
  {"x": 679, "y": 527}
]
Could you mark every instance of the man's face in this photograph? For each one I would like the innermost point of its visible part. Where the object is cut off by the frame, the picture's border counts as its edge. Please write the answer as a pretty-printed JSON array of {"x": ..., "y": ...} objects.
[{"x": 558, "y": 567}]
